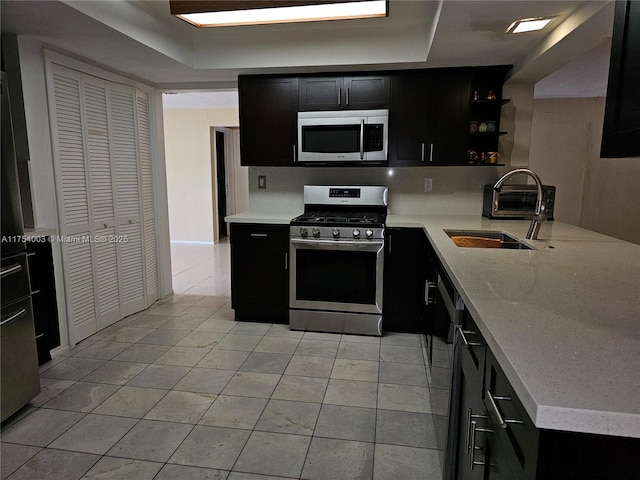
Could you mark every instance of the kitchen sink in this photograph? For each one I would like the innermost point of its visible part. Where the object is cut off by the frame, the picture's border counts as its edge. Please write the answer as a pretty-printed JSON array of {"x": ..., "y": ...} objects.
[{"x": 485, "y": 239}]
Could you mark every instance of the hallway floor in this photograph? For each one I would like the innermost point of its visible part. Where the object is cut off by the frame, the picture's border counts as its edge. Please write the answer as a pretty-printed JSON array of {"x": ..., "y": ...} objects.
[
  {"x": 183, "y": 391},
  {"x": 202, "y": 269}
]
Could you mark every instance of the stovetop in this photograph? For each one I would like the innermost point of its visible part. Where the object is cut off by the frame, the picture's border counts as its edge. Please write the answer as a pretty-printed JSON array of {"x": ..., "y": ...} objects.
[{"x": 336, "y": 217}]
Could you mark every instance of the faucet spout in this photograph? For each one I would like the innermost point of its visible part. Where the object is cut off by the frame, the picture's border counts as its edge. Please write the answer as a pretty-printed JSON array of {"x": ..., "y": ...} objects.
[{"x": 541, "y": 211}]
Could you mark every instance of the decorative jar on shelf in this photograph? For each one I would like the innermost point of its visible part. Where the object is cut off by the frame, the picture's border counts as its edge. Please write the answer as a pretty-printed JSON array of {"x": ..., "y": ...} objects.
[
  {"x": 473, "y": 126},
  {"x": 491, "y": 126},
  {"x": 482, "y": 128}
]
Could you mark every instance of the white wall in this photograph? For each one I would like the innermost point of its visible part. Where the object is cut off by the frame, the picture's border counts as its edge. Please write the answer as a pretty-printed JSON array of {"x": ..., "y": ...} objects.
[
  {"x": 600, "y": 194},
  {"x": 189, "y": 174}
]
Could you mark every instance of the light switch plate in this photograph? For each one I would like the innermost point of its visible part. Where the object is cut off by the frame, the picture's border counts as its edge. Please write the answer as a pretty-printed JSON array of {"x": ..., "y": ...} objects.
[
  {"x": 262, "y": 182},
  {"x": 428, "y": 185}
]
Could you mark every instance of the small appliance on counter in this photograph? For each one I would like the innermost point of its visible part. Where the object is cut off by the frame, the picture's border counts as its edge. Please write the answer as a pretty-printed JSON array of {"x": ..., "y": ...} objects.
[
  {"x": 516, "y": 201},
  {"x": 337, "y": 259}
]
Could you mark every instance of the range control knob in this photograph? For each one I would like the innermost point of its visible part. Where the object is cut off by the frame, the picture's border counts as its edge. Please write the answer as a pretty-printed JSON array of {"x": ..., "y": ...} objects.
[
  {"x": 336, "y": 232},
  {"x": 356, "y": 233},
  {"x": 316, "y": 232},
  {"x": 303, "y": 231},
  {"x": 369, "y": 233}
]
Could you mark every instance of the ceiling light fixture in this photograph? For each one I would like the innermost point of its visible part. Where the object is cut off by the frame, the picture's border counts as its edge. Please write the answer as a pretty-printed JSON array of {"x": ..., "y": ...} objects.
[
  {"x": 529, "y": 24},
  {"x": 252, "y": 12}
]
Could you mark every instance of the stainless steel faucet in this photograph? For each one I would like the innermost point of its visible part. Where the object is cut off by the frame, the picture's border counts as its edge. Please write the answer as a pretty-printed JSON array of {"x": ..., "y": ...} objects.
[{"x": 541, "y": 210}]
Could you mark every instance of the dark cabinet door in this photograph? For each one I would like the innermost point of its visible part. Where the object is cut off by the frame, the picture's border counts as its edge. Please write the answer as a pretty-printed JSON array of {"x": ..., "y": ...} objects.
[
  {"x": 497, "y": 465},
  {"x": 621, "y": 129},
  {"x": 363, "y": 93},
  {"x": 429, "y": 118},
  {"x": 268, "y": 120},
  {"x": 449, "y": 116},
  {"x": 259, "y": 272},
  {"x": 322, "y": 93},
  {"x": 344, "y": 93},
  {"x": 404, "y": 280},
  {"x": 409, "y": 121},
  {"x": 43, "y": 296}
]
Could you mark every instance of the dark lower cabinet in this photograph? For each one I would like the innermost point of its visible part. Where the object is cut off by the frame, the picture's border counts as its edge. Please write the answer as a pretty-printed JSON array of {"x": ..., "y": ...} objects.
[
  {"x": 43, "y": 296},
  {"x": 260, "y": 272},
  {"x": 404, "y": 280},
  {"x": 491, "y": 436},
  {"x": 467, "y": 430},
  {"x": 541, "y": 454}
]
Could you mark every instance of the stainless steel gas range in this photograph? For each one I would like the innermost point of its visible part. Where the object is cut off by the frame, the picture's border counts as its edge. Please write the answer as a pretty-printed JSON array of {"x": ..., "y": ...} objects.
[{"x": 337, "y": 260}]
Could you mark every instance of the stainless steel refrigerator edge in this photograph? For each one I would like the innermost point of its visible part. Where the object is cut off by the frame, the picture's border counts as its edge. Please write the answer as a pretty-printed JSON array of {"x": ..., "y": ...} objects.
[{"x": 19, "y": 375}]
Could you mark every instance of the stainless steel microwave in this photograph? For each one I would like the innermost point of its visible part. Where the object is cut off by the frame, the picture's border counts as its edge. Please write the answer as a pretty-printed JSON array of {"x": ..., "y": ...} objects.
[
  {"x": 343, "y": 136},
  {"x": 516, "y": 201}
]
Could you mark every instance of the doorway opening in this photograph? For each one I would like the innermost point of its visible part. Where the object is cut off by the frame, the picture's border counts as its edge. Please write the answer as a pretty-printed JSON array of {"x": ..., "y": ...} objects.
[{"x": 203, "y": 167}]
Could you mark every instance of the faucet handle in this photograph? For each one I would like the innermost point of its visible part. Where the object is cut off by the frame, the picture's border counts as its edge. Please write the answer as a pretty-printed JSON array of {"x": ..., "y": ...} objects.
[{"x": 542, "y": 216}]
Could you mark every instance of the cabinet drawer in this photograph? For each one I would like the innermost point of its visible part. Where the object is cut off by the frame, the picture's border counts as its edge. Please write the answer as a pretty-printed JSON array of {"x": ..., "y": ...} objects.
[
  {"x": 516, "y": 431},
  {"x": 473, "y": 346},
  {"x": 252, "y": 232},
  {"x": 15, "y": 278}
]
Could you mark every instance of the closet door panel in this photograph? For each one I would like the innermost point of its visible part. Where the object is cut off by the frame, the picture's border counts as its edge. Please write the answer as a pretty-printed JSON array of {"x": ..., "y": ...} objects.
[
  {"x": 71, "y": 152},
  {"x": 146, "y": 181},
  {"x": 102, "y": 203},
  {"x": 131, "y": 275},
  {"x": 73, "y": 202},
  {"x": 107, "y": 285},
  {"x": 124, "y": 145},
  {"x": 122, "y": 130}
]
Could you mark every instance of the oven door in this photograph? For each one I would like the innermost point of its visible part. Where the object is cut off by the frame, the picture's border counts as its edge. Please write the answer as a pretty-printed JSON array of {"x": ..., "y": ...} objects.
[{"x": 336, "y": 275}]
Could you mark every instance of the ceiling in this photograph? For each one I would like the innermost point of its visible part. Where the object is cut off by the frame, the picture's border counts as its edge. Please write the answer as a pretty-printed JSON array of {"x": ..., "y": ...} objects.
[{"x": 142, "y": 40}]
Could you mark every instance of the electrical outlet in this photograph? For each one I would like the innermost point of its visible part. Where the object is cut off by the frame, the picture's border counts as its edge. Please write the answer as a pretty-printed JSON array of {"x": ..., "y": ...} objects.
[
  {"x": 428, "y": 185},
  {"x": 262, "y": 182}
]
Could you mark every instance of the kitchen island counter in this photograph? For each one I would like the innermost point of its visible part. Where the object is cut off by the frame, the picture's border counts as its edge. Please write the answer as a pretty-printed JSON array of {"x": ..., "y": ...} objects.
[{"x": 562, "y": 319}]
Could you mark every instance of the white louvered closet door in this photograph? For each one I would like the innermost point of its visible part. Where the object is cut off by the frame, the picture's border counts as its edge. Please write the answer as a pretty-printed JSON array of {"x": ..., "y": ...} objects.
[
  {"x": 103, "y": 229},
  {"x": 146, "y": 182},
  {"x": 105, "y": 199},
  {"x": 73, "y": 200},
  {"x": 124, "y": 148}
]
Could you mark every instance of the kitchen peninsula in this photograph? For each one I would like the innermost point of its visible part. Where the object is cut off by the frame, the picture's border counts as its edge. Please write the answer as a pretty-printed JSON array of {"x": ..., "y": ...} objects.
[{"x": 561, "y": 319}]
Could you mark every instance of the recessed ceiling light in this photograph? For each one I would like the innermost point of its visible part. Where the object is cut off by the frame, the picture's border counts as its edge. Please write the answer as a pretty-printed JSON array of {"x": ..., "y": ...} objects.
[
  {"x": 312, "y": 12},
  {"x": 529, "y": 24}
]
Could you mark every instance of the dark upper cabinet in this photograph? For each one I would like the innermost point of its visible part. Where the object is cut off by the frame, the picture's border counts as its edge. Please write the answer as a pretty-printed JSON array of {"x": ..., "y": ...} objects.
[
  {"x": 429, "y": 117},
  {"x": 268, "y": 120},
  {"x": 344, "y": 93},
  {"x": 449, "y": 115},
  {"x": 436, "y": 116},
  {"x": 410, "y": 136},
  {"x": 621, "y": 131}
]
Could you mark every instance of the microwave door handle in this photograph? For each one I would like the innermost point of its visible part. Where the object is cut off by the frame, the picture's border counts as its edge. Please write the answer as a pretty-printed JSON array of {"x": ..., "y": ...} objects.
[{"x": 362, "y": 139}]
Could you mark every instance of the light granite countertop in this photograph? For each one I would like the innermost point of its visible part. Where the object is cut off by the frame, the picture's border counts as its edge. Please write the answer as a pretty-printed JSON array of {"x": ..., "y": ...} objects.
[{"x": 563, "y": 319}]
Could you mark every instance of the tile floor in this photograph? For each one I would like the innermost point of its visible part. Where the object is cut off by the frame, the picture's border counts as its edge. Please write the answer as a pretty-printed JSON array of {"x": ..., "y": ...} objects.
[
  {"x": 201, "y": 269},
  {"x": 182, "y": 391}
]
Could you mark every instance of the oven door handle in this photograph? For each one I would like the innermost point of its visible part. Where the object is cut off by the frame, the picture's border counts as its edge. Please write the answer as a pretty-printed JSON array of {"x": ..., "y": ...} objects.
[{"x": 339, "y": 245}]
